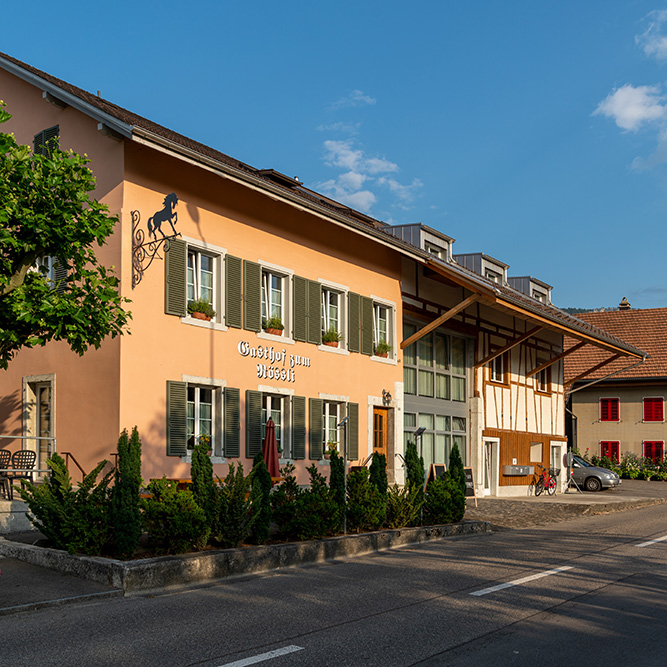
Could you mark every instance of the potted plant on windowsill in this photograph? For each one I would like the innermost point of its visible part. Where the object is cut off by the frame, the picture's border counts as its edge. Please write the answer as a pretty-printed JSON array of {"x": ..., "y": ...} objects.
[
  {"x": 331, "y": 447},
  {"x": 382, "y": 349},
  {"x": 273, "y": 325},
  {"x": 331, "y": 337},
  {"x": 201, "y": 309}
]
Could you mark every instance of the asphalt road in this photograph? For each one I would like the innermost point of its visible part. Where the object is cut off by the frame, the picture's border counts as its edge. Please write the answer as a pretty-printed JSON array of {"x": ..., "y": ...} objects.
[{"x": 606, "y": 603}]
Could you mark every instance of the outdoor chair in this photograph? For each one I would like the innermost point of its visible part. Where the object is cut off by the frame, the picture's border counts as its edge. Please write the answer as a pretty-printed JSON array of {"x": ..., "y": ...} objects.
[
  {"x": 5, "y": 458},
  {"x": 22, "y": 463}
]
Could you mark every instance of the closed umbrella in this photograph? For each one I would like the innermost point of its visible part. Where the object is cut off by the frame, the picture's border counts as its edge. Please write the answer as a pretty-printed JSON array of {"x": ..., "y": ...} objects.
[{"x": 270, "y": 449}]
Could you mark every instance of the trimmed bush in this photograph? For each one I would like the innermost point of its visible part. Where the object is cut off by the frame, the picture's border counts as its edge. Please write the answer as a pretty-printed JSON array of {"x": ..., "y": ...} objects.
[
  {"x": 173, "y": 520},
  {"x": 414, "y": 472},
  {"x": 78, "y": 520},
  {"x": 337, "y": 478},
  {"x": 402, "y": 506},
  {"x": 366, "y": 506},
  {"x": 378, "y": 473},
  {"x": 261, "y": 491},
  {"x": 445, "y": 501},
  {"x": 125, "y": 501},
  {"x": 235, "y": 513},
  {"x": 203, "y": 486}
]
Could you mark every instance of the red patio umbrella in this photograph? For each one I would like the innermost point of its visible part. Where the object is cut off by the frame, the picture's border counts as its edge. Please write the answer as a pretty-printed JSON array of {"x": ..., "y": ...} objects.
[{"x": 270, "y": 449}]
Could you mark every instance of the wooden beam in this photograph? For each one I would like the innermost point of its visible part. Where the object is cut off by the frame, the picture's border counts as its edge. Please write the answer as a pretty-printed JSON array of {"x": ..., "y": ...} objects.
[
  {"x": 592, "y": 370},
  {"x": 509, "y": 346},
  {"x": 440, "y": 320},
  {"x": 552, "y": 361}
]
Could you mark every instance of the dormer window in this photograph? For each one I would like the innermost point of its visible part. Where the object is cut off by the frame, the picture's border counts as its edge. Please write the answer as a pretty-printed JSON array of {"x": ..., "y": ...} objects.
[
  {"x": 434, "y": 250},
  {"x": 492, "y": 276},
  {"x": 539, "y": 296}
]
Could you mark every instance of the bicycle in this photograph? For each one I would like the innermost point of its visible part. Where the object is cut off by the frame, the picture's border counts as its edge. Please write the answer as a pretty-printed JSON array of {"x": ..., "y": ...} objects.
[{"x": 546, "y": 480}]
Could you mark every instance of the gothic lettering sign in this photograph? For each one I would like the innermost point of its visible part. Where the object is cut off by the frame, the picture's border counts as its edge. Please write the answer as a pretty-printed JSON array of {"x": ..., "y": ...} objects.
[{"x": 273, "y": 364}]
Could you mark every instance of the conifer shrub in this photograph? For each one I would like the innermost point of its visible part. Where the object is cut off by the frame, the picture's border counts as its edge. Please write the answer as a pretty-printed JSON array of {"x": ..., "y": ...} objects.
[
  {"x": 77, "y": 521},
  {"x": 125, "y": 501},
  {"x": 306, "y": 514},
  {"x": 366, "y": 506},
  {"x": 445, "y": 502},
  {"x": 235, "y": 511},
  {"x": 203, "y": 485},
  {"x": 337, "y": 478},
  {"x": 456, "y": 470},
  {"x": 284, "y": 497},
  {"x": 402, "y": 506},
  {"x": 414, "y": 472},
  {"x": 173, "y": 520},
  {"x": 378, "y": 473},
  {"x": 261, "y": 492}
]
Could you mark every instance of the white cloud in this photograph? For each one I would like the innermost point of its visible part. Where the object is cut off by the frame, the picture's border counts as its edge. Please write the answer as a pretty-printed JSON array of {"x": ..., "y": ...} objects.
[
  {"x": 347, "y": 190},
  {"x": 343, "y": 154},
  {"x": 404, "y": 193},
  {"x": 630, "y": 106},
  {"x": 356, "y": 98},
  {"x": 653, "y": 41},
  {"x": 343, "y": 128}
]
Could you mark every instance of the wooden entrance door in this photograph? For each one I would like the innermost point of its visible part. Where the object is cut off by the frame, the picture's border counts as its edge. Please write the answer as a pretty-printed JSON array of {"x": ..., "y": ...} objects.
[{"x": 380, "y": 428}]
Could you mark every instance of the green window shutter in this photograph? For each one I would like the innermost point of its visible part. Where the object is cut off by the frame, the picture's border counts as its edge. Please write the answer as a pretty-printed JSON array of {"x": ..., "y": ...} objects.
[
  {"x": 314, "y": 312},
  {"x": 353, "y": 431},
  {"x": 353, "y": 322},
  {"x": 175, "y": 278},
  {"x": 300, "y": 291},
  {"x": 176, "y": 418},
  {"x": 252, "y": 296},
  {"x": 60, "y": 276},
  {"x": 367, "y": 346},
  {"x": 233, "y": 293},
  {"x": 232, "y": 425},
  {"x": 253, "y": 422},
  {"x": 315, "y": 423},
  {"x": 45, "y": 140},
  {"x": 298, "y": 427}
]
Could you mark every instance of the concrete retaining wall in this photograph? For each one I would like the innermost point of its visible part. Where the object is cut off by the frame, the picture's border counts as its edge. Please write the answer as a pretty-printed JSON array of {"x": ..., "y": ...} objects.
[
  {"x": 206, "y": 566},
  {"x": 13, "y": 517}
]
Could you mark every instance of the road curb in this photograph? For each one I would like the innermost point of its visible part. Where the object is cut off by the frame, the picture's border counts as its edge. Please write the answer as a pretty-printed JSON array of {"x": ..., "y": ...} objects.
[
  {"x": 59, "y": 602},
  {"x": 160, "y": 572}
]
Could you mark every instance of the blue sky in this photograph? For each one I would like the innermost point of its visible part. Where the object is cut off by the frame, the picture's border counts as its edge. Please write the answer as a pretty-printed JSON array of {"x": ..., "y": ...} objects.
[{"x": 535, "y": 132}]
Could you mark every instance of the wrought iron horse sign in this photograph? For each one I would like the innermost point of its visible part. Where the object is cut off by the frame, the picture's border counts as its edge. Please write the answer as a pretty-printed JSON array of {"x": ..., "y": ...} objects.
[{"x": 148, "y": 250}]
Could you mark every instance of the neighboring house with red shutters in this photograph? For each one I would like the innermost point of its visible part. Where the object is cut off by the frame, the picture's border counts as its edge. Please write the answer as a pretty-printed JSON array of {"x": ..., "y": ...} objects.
[{"x": 621, "y": 406}]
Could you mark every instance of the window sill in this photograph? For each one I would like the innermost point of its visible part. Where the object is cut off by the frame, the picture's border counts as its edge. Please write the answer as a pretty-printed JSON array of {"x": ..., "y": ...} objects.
[
  {"x": 204, "y": 324},
  {"x": 496, "y": 383},
  {"x": 384, "y": 360},
  {"x": 214, "y": 459},
  {"x": 334, "y": 350},
  {"x": 276, "y": 339}
]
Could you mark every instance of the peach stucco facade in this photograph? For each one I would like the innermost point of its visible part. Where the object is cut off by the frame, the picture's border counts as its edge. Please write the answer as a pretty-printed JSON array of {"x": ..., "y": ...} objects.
[{"x": 123, "y": 384}]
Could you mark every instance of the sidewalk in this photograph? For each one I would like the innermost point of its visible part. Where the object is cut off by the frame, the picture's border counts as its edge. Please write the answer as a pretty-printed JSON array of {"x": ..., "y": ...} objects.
[{"x": 528, "y": 512}]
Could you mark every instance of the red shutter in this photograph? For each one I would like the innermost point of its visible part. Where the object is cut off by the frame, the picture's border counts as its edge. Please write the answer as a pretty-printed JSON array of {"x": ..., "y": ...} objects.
[
  {"x": 653, "y": 410},
  {"x": 609, "y": 409},
  {"x": 610, "y": 448},
  {"x": 653, "y": 450}
]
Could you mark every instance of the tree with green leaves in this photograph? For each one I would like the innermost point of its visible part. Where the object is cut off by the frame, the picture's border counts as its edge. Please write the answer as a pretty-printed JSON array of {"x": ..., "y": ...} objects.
[
  {"x": 414, "y": 474},
  {"x": 46, "y": 211}
]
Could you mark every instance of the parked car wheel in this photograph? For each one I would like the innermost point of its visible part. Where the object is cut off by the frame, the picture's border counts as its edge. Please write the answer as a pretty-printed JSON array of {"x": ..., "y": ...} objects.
[{"x": 593, "y": 484}]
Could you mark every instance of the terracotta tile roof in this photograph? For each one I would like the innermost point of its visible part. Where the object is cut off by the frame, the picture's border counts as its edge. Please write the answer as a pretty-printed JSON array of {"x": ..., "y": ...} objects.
[
  {"x": 135, "y": 120},
  {"x": 646, "y": 329}
]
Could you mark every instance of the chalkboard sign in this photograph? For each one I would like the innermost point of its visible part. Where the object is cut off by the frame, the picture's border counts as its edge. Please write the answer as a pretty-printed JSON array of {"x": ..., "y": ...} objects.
[
  {"x": 470, "y": 485},
  {"x": 437, "y": 471}
]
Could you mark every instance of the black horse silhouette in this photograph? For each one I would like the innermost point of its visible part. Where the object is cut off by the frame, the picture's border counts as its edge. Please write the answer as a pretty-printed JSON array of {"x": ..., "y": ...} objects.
[{"x": 167, "y": 214}]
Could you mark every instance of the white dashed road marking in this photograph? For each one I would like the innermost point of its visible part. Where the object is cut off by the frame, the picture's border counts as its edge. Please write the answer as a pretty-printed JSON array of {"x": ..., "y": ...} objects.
[
  {"x": 263, "y": 656},
  {"x": 516, "y": 582},
  {"x": 657, "y": 539}
]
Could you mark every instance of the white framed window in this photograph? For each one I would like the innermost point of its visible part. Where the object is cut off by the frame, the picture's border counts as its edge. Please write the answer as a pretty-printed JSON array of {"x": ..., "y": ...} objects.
[
  {"x": 200, "y": 415},
  {"x": 497, "y": 369},
  {"x": 275, "y": 298},
  {"x": 493, "y": 276},
  {"x": 330, "y": 419},
  {"x": 381, "y": 324},
  {"x": 201, "y": 277},
  {"x": 274, "y": 406},
  {"x": 46, "y": 266},
  {"x": 332, "y": 306}
]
